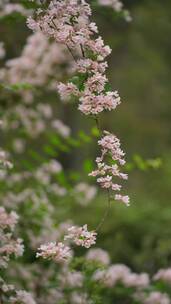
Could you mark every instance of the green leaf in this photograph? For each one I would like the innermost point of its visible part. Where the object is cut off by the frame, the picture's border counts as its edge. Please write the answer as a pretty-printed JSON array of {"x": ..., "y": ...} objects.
[
  {"x": 88, "y": 165},
  {"x": 95, "y": 132},
  {"x": 84, "y": 137}
]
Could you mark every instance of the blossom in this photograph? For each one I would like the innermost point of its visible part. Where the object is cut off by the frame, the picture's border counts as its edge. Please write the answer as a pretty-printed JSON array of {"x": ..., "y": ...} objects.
[
  {"x": 117, "y": 6},
  {"x": 71, "y": 278},
  {"x": 96, "y": 83},
  {"x": 4, "y": 162},
  {"x": 105, "y": 182},
  {"x": 61, "y": 128},
  {"x": 123, "y": 198},
  {"x": 121, "y": 274},
  {"x": 12, "y": 247},
  {"x": 107, "y": 173},
  {"x": 91, "y": 103},
  {"x": 99, "y": 255},
  {"x": 57, "y": 252},
  {"x": 39, "y": 64},
  {"x": 157, "y": 298},
  {"x": 136, "y": 280},
  {"x": 85, "y": 65},
  {"x": 66, "y": 90},
  {"x": 115, "y": 273},
  {"x": 81, "y": 236},
  {"x": 9, "y": 245},
  {"x": 9, "y": 8},
  {"x": 22, "y": 297},
  {"x": 19, "y": 145},
  {"x": 8, "y": 220},
  {"x": 31, "y": 23},
  {"x": 56, "y": 22},
  {"x": 110, "y": 143},
  {"x": 80, "y": 298},
  {"x": 84, "y": 193},
  {"x": 164, "y": 275}
]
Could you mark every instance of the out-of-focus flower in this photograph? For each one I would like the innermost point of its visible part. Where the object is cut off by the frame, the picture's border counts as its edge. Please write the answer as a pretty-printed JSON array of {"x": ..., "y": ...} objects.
[
  {"x": 99, "y": 255},
  {"x": 57, "y": 252},
  {"x": 81, "y": 236},
  {"x": 163, "y": 275}
]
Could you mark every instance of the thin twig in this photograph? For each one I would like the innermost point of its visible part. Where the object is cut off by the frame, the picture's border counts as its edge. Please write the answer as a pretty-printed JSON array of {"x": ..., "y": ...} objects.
[
  {"x": 71, "y": 53},
  {"x": 82, "y": 50},
  {"x": 66, "y": 44},
  {"x": 98, "y": 124},
  {"x": 105, "y": 214}
]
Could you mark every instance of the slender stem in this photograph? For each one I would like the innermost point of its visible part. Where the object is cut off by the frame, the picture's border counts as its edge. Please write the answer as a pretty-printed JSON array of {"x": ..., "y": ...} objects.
[
  {"x": 106, "y": 212},
  {"x": 82, "y": 50},
  {"x": 1, "y": 299},
  {"x": 66, "y": 44},
  {"x": 71, "y": 53},
  {"x": 99, "y": 128},
  {"x": 98, "y": 123}
]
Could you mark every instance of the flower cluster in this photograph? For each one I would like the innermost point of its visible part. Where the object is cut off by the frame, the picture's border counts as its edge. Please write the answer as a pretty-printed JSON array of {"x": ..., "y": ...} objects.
[
  {"x": 121, "y": 273},
  {"x": 8, "y": 244},
  {"x": 98, "y": 255},
  {"x": 59, "y": 252},
  {"x": 68, "y": 22},
  {"x": 81, "y": 236},
  {"x": 53, "y": 251},
  {"x": 117, "y": 6},
  {"x": 8, "y": 220},
  {"x": 39, "y": 62},
  {"x": 163, "y": 275},
  {"x": 7, "y": 8},
  {"x": 23, "y": 297},
  {"x": 4, "y": 162},
  {"x": 92, "y": 85},
  {"x": 84, "y": 193},
  {"x": 153, "y": 297},
  {"x": 108, "y": 278},
  {"x": 106, "y": 173},
  {"x": 157, "y": 297}
]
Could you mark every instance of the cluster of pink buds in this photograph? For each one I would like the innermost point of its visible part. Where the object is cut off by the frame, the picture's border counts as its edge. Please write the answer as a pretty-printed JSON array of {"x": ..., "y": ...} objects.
[
  {"x": 8, "y": 220},
  {"x": 108, "y": 165},
  {"x": 57, "y": 252},
  {"x": 81, "y": 236},
  {"x": 9, "y": 245},
  {"x": 68, "y": 22},
  {"x": 4, "y": 162}
]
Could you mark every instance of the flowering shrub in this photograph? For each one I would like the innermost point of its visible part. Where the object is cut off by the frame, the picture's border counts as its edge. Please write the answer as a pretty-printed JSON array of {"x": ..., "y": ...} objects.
[{"x": 66, "y": 52}]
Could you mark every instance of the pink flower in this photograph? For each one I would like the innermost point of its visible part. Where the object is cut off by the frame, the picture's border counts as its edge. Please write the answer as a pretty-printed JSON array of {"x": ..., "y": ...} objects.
[
  {"x": 22, "y": 297},
  {"x": 8, "y": 220},
  {"x": 164, "y": 275},
  {"x": 95, "y": 83},
  {"x": 32, "y": 24},
  {"x": 157, "y": 298},
  {"x": 106, "y": 173},
  {"x": 105, "y": 182},
  {"x": 99, "y": 255},
  {"x": 67, "y": 90},
  {"x": 81, "y": 236},
  {"x": 57, "y": 252},
  {"x": 123, "y": 198}
]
